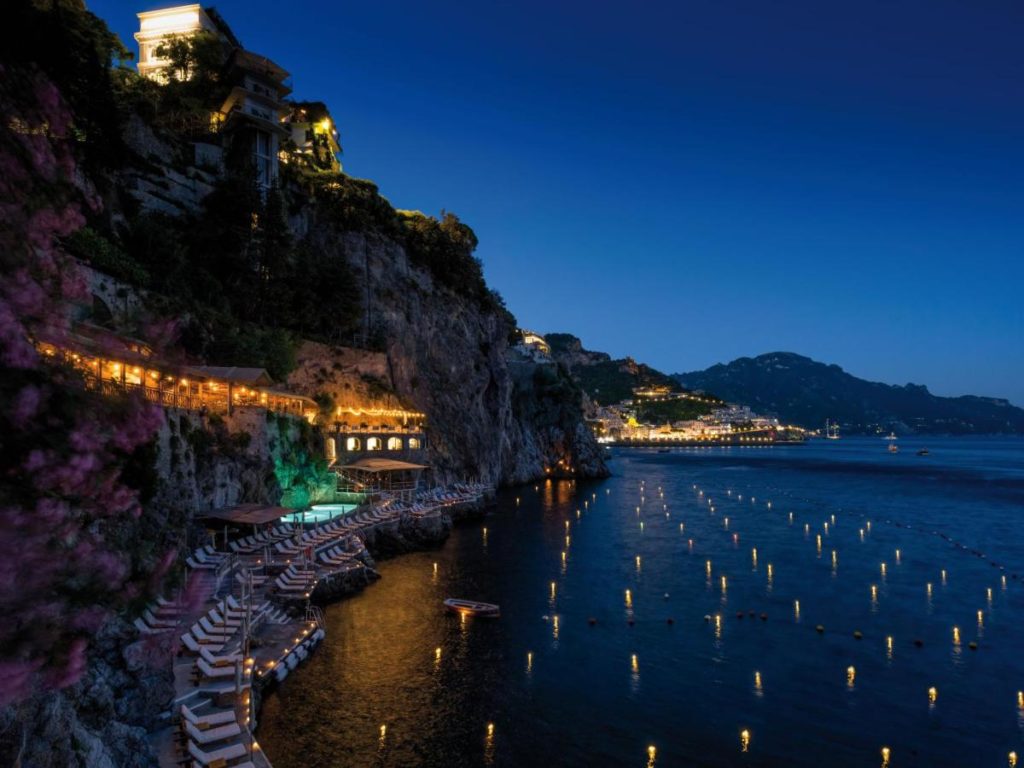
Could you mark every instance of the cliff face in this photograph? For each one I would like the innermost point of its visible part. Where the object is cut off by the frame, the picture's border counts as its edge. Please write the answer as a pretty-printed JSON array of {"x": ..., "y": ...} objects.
[
  {"x": 448, "y": 357},
  {"x": 102, "y": 721}
]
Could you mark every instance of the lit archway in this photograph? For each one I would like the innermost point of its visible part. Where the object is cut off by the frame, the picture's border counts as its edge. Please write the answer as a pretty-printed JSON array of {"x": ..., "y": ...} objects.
[
  {"x": 353, "y": 444},
  {"x": 394, "y": 443},
  {"x": 414, "y": 443},
  {"x": 330, "y": 448},
  {"x": 374, "y": 444}
]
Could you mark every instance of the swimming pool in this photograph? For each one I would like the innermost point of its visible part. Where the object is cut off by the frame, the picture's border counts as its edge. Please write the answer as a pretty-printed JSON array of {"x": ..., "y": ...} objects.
[{"x": 320, "y": 513}]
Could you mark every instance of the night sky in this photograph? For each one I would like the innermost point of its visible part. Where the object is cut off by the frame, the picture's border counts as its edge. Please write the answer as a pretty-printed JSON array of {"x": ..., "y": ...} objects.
[{"x": 690, "y": 182}]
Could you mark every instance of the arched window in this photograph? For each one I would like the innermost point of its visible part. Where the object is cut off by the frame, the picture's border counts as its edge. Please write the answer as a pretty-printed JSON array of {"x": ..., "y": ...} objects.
[
  {"x": 374, "y": 444},
  {"x": 353, "y": 444},
  {"x": 394, "y": 443},
  {"x": 330, "y": 449},
  {"x": 414, "y": 443}
]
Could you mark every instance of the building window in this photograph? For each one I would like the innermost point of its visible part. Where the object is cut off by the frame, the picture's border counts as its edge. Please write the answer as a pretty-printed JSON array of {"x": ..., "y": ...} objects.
[
  {"x": 394, "y": 443},
  {"x": 353, "y": 444},
  {"x": 374, "y": 444},
  {"x": 263, "y": 156},
  {"x": 414, "y": 443}
]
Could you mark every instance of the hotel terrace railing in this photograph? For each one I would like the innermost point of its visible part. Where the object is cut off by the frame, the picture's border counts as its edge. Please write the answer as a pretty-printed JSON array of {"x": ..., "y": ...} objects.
[
  {"x": 169, "y": 398},
  {"x": 156, "y": 384},
  {"x": 199, "y": 398}
]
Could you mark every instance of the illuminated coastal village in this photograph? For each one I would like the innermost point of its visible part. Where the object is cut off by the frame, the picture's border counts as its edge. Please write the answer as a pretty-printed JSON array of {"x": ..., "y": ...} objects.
[{"x": 287, "y": 483}]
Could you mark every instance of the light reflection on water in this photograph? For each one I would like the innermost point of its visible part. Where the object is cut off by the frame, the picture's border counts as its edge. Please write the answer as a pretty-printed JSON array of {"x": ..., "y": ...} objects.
[{"x": 553, "y": 686}]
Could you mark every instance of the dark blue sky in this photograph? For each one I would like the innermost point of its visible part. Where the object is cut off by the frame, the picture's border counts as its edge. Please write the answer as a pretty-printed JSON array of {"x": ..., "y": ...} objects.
[{"x": 689, "y": 182}]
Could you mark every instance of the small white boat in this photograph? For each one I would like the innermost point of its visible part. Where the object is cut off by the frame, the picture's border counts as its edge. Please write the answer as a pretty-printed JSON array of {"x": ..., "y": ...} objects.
[{"x": 472, "y": 608}]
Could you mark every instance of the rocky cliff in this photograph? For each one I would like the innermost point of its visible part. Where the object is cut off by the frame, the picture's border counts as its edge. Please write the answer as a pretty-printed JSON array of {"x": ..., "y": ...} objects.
[{"x": 448, "y": 357}]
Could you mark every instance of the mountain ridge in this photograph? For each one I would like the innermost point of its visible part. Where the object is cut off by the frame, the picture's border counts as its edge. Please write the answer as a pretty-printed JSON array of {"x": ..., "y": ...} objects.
[{"x": 806, "y": 392}]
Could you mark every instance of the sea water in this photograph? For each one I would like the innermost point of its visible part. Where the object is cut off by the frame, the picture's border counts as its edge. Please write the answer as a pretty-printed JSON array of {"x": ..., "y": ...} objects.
[{"x": 577, "y": 672}]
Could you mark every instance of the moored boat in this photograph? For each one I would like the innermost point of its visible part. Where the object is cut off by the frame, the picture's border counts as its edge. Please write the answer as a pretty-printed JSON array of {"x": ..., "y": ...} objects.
[{"x": 472, "y": 608}]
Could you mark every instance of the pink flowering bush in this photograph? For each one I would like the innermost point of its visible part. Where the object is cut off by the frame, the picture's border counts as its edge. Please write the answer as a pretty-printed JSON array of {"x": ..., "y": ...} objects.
[{"x": 69, "y": 458}]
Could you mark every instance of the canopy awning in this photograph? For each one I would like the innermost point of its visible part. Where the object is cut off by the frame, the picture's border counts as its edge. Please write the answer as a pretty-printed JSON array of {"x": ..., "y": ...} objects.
[
  {"x": 249, "y": 514},
  {"x": 382, "y": 465}
]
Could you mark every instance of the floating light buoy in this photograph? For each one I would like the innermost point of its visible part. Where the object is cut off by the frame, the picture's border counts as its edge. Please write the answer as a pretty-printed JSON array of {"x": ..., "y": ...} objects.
[
  {"x": 820, "y": 629},
  {"x": 857, "y": 634},
  {"x": 1011, "y": 760},
  {"x": 972, "y": 645},
  {"x": 757, "y": 681},
  {"x": 933, "y": 694},
  {"x": 885, "y": 756},
  {"x": 956, "y": 636},
  {"x": 744, "y": 740},
  {"x": 437, "y": 654},
  {"x": 851, "y": 675}
]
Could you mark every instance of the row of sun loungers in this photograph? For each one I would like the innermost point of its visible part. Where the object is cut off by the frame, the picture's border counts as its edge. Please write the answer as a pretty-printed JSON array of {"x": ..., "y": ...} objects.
[{"x": 258, "y": 541}]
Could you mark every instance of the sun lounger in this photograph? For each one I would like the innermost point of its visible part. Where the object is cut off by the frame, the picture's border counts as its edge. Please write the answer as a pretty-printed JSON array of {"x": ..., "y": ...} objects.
[
  {"x": 210, "y": 718},
  {"x": 195, "y": 646},
  {"x": 204, "y": 736},
  {"x": 230, "y": 752},
  {"x": 217, "y": 632},
  {"x": 219, "y": 661},
  {"x": 213, "y": 672},
  {"x": 199, "y": 633}
]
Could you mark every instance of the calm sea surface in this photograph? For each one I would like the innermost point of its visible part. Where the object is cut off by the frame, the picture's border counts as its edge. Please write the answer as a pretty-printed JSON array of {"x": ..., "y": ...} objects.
[{"x": 560, "y": 692}]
